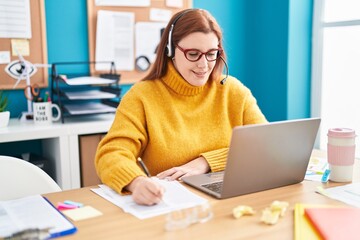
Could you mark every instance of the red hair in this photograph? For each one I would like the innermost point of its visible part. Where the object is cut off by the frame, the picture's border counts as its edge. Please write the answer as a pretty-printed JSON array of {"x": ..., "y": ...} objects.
[{"x": 196, "y": 20}]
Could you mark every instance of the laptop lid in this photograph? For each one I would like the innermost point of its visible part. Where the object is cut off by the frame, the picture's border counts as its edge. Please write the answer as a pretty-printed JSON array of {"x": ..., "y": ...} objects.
[{"x": 263, "y": 156}]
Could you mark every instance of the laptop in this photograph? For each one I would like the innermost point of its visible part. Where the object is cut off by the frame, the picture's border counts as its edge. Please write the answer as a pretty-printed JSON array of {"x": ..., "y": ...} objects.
[{"x": 261, "y": 157}]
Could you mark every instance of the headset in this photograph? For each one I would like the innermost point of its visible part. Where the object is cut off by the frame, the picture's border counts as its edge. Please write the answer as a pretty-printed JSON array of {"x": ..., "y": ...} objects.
[
  {"x": 170, "y": 50},
  {"x": 169, "y": 47}
]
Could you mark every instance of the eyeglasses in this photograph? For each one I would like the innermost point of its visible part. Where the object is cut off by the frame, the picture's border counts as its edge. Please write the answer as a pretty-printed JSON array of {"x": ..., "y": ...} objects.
[{"x": 194, "y": 55}]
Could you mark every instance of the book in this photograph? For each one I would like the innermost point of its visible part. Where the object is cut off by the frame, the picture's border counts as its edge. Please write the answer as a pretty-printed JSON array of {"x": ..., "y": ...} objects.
[
  {"x": 32, "y": 214},
  {"x": 303, "y": 228},
  {"x": 335, "y": 223}
]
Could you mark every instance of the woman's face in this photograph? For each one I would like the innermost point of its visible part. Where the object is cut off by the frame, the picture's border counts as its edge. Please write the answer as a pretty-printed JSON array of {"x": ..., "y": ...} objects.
[{"x": 196, "y": 73}]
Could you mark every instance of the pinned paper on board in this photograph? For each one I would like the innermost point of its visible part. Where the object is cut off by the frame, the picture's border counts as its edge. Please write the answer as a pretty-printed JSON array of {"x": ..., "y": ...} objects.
[
  {"x": 4, "y": 57},
  {"x": 115, "y": 40},
  {"x": 20, "y": 47},
  {"x": 125, "y": 3},
  {"x": 148, "y": 36},
  {"x": 20, "y": 26},
  {"x": 175, "y": 3},
  {"x": 160, "y": 15}
]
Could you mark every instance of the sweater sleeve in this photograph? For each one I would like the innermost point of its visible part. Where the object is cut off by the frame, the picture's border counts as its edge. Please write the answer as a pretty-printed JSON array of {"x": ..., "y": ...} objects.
[
  {"x": 116, "y": 155},
  {"x": 216, "y": 159},
  {"x": 252, "y": 113}
]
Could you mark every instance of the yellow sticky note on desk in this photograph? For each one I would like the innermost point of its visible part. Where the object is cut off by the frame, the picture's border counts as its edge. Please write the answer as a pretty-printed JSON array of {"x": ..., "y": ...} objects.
[{"x": 78, "y": 214}]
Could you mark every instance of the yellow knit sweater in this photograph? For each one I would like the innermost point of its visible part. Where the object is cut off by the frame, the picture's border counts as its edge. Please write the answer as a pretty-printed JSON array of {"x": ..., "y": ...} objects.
[{"x": 168, "y": 122}]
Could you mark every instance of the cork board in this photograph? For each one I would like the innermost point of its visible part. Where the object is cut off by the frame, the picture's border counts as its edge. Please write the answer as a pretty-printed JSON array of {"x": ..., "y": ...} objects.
[
  {"x": 142, "y": 14},
  {"x": 38, "y": 50}
]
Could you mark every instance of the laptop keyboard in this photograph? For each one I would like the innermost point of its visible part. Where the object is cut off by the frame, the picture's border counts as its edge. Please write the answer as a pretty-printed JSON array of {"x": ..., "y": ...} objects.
[{"x": 215, "y": 186}]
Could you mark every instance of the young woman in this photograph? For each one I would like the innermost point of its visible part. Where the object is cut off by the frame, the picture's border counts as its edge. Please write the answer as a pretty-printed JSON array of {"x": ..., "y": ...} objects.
[{"x": 180, "y": 117}]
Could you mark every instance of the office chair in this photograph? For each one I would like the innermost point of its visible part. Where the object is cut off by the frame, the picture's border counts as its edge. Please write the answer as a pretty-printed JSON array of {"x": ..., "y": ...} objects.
[{"x": 19, "y": 178}]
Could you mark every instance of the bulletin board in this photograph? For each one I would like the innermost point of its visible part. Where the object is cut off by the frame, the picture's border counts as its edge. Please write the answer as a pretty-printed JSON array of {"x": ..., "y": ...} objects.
[
  {"x": 37, "y": 46},
  {"x": 141, "y": 15}
]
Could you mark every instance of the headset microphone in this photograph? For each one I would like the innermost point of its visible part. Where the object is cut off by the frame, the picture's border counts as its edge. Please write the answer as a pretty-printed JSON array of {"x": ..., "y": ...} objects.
[{"x": 223, "y": 81}]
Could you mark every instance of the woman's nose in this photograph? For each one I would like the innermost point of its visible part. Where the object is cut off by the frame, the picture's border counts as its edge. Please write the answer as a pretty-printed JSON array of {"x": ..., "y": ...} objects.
[{"x": 202, "y": 62}]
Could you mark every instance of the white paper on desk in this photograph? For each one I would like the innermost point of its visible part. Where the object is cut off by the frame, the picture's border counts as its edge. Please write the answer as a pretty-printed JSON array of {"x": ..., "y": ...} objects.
[
  {"x": 316, "y": 168},
  {"x": 20, "y": 24},
  {"x": 30, "y": 212},
  {"x": 115, "y": 40},
  {"x": 147, "y": 38},
  {"x": 175, "y": 197},
  {"x": 349, "y": 194}
]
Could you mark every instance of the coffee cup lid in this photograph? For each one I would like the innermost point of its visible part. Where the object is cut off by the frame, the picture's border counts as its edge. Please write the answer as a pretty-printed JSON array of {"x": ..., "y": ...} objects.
[{"x": 341, "y": 132}]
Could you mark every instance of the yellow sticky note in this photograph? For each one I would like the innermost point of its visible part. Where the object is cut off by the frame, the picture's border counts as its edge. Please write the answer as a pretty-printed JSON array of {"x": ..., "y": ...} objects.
[
  {"x": 78, "y": 214},
  {"x": 20, "y": 46}
]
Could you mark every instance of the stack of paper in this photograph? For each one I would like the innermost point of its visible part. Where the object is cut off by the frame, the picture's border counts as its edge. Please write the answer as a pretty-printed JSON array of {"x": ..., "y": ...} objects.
[
  {"x": 87, "y": 80},
  {"x": 89, "y": 108},
  {"x": 175, "y": 197},
  {"x": 303, "y": 227},
  {"x": 349, "y": 193},
  {"x": 89, "y": 94}
]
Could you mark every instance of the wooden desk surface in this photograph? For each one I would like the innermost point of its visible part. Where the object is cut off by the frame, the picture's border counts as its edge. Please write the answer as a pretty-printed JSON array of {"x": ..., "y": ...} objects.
[{"x": 115, "y": 224}]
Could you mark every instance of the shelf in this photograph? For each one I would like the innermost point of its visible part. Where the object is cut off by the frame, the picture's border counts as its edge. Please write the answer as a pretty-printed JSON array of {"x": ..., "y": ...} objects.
[
  {"x": 88, "y": 108},
  {"x": 77, "y": 94}
]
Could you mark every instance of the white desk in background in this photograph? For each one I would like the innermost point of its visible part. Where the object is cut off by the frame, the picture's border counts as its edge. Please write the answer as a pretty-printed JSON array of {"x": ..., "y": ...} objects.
[{"x": 60, "y": 142}]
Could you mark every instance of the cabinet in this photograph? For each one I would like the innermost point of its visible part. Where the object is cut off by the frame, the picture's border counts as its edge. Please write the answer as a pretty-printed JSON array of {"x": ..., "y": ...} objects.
[
  {"x": 88, "y": 145},
  {"x": 79, "y": 94}
]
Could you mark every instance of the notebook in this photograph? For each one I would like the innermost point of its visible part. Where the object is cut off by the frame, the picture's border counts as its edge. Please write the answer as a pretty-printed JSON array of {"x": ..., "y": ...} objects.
[
  {"x": 261, "y": 157},
  {"x": 303, "y": 229},
  {"x": 335, "y": 223},
  {"x": 30, "y": 213}
]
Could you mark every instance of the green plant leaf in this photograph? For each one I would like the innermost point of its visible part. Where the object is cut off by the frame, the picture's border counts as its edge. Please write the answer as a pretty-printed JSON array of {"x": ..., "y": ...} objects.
[{"x": 4, "y": 101}]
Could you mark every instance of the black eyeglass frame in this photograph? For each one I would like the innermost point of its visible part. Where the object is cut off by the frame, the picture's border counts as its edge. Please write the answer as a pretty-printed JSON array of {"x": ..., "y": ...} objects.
[{"x": 185, "y": 51}]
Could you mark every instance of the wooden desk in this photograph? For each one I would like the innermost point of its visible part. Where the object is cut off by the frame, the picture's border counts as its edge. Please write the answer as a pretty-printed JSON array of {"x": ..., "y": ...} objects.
[{"x": 115, "y": 224}]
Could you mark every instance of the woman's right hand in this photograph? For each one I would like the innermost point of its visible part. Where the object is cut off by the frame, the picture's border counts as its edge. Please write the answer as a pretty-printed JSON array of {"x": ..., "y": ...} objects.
[{"x": 145, "y": 191}]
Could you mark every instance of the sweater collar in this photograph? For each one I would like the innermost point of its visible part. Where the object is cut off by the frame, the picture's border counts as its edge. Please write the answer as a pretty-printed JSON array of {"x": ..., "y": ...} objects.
[{"x": 177, "y": 83}]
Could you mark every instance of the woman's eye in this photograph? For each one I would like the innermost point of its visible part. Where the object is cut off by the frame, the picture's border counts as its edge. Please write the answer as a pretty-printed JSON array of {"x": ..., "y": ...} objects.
[{"x": 193, "y": 54}]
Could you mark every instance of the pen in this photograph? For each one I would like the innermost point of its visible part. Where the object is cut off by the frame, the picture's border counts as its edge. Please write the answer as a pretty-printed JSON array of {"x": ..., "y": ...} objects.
[
  {"x": 46, "y": 96},
  {"x": 142, "y": 164}
]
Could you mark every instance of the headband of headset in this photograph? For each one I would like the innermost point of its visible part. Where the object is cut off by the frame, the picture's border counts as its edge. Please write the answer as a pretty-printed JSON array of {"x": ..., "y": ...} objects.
[{"x": 170, "y": 50}]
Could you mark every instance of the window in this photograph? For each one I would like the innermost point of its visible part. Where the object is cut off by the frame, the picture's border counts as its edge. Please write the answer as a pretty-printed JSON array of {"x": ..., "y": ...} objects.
[{"x": 336, "y": 66}]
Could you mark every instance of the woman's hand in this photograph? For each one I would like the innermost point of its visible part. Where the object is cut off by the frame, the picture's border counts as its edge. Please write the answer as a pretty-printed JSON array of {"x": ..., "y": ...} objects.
[
  {"x": 145, "y": 191},
  {"x": 196, "y": 166}
]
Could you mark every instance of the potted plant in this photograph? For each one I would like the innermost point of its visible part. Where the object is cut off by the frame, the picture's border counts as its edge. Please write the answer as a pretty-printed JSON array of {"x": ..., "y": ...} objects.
[{"x": 4, "y": 115}]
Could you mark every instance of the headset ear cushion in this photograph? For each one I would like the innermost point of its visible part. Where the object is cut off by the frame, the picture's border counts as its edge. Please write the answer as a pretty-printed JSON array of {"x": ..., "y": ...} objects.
[{"x": 169, "y": 51}]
